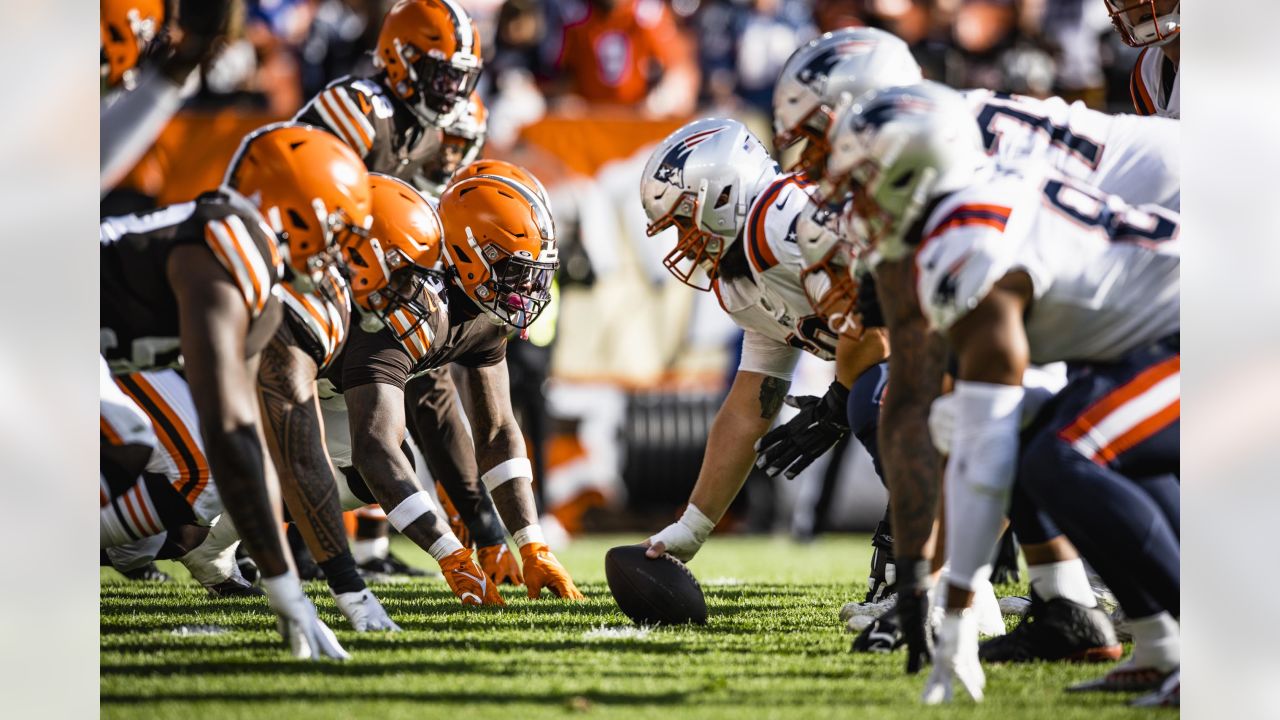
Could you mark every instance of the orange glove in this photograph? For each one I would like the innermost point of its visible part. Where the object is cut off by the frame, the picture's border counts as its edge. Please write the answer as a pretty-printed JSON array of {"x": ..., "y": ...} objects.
[
  {"x": 467, "y": 581},
  {"x": 458, "y": 527},
  {"x": 542, "y": 569},
  {"x": 499, "y": 564}
]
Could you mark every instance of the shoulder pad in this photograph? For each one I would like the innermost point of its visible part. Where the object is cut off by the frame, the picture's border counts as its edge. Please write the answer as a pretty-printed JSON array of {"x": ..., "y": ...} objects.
[
  {"x": 964, "y": 252},
  {"x": 246, "y": 248},
  {"x": 770, "y": 230}
]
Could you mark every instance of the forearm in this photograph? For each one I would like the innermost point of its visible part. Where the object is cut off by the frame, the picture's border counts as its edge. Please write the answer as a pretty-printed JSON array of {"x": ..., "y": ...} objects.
[
  {"x": 746, "y": 415},
  {"x": 855, "y": 357},
  {"x": 249, "y": 497},
  {"x": 296, "y": 443},
  {"x": 512, "y": 495}
]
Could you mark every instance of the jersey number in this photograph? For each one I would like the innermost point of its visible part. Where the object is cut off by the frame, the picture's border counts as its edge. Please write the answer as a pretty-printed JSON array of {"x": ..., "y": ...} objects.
[
  {"x": 1128, "y": 225},
  {"x": 993, "y": 116}
]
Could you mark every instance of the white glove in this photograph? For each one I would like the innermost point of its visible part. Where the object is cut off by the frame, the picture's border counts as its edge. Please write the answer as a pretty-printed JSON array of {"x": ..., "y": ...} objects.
[
  {"x": 297, "y": 621},
  {"x": 955, "y": 658},
  {"x": 942, "y": 422},
  {"x": 364, "y": 612},
  {"x": 683, "y": 538}
]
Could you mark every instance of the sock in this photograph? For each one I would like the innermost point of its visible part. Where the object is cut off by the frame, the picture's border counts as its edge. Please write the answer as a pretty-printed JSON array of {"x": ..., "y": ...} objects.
[
  {"x": 340, "y": 572},
  {"x": 1156, "y": 642},
  {"x": 1065, "y": 579},
  {"x": 366, "y": 549}
]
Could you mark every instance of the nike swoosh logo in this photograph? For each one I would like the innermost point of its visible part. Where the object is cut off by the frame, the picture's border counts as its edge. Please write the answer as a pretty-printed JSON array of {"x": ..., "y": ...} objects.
[
  {"x": 473, "y": 596},
  {"x": 781, "y": 204},
  {"x": 478, "y": 580}
]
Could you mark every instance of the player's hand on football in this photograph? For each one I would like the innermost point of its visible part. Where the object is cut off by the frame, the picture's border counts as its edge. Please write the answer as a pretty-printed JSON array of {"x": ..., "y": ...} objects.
[
  {"x": 956, "y": 660},
  {"x": 363, "y": 610},
  {"x": 793, "y": 445},
  {"x": 296, "y": 619},
  {"x": 543, "y": 570},
  {"x": 468, "y": 582},
  {"x": 499, "y": 563}
]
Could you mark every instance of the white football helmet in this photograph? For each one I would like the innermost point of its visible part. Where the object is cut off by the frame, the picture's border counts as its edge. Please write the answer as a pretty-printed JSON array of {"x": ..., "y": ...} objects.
[
  {"x": 828, "y": 279},
  {"x": 1152, "y": 27},
  {"x": 897, "y": 149},
  {"x": 829, "y": 71},
  {"x": 702, "y": 179}
]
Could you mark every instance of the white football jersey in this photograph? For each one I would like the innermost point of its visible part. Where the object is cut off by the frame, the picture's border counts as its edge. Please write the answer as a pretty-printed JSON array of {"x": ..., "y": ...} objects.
[
  {"x": 771, "y": 303},
  {"x": 1148, "y": 90},
  {"x": 1105, "y": 274},
  {"x": 1137, "y": 158}
]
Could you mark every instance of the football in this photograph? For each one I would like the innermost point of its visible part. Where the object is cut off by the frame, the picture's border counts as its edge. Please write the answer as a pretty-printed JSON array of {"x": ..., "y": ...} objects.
[{"x": 658, "y": 591}]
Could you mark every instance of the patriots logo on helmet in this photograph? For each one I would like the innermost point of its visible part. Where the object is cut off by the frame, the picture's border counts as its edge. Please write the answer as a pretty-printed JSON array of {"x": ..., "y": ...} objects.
[
  {"x": 671, "y": 169},
  {"x": 819, "y": 67},
  {"x": 879, "y": 114}
]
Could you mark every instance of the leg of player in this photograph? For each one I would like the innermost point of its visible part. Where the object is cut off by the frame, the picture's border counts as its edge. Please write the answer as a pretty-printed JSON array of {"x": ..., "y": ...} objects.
[
  {"x": 214, "y": 326},
  {"x": 500, "y": 451},
  {"x": 291, "y": 418},
  {"x": 440, "y": 431},
  {"x": 377, "y": 432}
]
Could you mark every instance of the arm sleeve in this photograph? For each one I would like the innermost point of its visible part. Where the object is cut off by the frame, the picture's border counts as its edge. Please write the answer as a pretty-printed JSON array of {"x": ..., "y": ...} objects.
[
  {"x": 767, "y": 356},
  {"x": 131, "y": 121}
]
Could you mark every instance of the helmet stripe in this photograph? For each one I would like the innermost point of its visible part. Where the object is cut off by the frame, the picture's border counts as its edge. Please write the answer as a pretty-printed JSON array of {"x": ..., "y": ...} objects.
[{"x": 461, "y": 26}]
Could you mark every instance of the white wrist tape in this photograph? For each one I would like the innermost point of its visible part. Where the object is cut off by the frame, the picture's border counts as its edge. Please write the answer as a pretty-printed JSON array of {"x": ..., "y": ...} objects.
[
  {"x": 980, "y": 475},
  {"x": 447, "y": 545},
  {"x": 507, "y": 471},
  {"x": 410, "y": 509},
  {"x": 283, "y": 590},
  {"x": 529, "y": 534},
  {"x": 685, "y": 537}
]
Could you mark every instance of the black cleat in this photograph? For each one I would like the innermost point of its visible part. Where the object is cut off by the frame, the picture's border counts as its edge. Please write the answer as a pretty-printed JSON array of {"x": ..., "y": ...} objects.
[
  {"x": 883, "y": 635},
  {"x": 147, "y": 573},
  {"x": 234, "y": 587},
  {"x": 389, "y": 566},
  {"x": 1057, "y": 629},
  {"x": 248, "y": 568}
]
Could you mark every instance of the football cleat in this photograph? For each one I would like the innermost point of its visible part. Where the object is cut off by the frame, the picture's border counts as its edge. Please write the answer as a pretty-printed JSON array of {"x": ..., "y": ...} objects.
[
  {"x": 467, "y": 581},
  {"x": 381, "y": 569},
  {"x": 232, "y": 587},
  {"x": 248, "y": 568},
  {"x": 1125, "y": 677},
  {"x": 1056, "y": 629},
  {"x": 1169, "y": 694},
  {"x": 147, "y": 573},
  {"x": 883, "y": 635}
]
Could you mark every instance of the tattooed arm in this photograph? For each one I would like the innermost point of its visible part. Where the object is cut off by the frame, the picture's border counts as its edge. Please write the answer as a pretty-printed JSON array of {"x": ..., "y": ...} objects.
[
  {"x": 916, "y": 368},
  {"x": 295, "y": 438},
  {"x": 748, "y": 411}
]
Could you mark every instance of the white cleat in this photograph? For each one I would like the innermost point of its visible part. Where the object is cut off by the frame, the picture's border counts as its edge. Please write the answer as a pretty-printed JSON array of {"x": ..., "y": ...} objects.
[{"x": 363, "y": 610}]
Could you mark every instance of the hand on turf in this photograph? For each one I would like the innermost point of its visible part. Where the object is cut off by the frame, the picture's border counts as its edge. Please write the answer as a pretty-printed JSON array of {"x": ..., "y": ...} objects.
[
  {"x": 363, "y": 610},
  {"x": 913, "y": 618},
  {"x": 820, "y": 424},
  {"x": 296, "y": 619},
  {"x": 500, "y": 564},
  {"x": 956, "y": 660},
  {"x": 542, "y": 569},
  {"x": 451, "y": 513},
  {"x": 467, "y": 581}
]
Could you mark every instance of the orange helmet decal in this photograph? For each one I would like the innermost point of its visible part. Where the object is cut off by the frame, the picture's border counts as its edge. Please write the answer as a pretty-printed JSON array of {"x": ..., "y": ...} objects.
[
  {"x": 311, "y": 187},
  {"x": 128, "y": 28},
  {"x": 500, "y": 241},
  {"x": 430, "y": 50}
]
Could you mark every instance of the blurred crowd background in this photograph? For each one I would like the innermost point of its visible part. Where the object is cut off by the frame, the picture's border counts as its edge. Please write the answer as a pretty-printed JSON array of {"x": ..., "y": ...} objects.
[{"x": 617, "y": 387}]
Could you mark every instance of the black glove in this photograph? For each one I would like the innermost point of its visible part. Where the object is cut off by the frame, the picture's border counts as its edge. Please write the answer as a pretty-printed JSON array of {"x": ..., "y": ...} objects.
[
  {"x": 820, "y": 424},
  {"x": 880, "y": 584},
  {"x": 913, "y": 613}
]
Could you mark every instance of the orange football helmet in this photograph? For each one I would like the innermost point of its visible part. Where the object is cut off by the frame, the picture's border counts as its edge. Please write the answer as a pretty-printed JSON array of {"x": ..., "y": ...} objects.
[
  {"x": 504, "y": 169},
  {"x": 312, "y": 189},
  {"x": 501, "y": 244},
  {"x": 129, "y": 30},
  {"x": 405, "y": 236},
  {"x": 430, "y": 50}
]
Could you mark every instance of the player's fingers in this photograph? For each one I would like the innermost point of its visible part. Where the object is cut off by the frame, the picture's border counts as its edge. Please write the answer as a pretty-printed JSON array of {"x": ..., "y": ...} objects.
[{"x": 655, "y": 550}]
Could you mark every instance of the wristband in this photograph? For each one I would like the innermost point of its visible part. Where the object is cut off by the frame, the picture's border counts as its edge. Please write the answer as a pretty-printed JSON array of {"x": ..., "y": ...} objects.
[
  {"x": 447, "y": 545},
  {"x": 506, "y": 471},
  {"x": 410, "y": 509},
  {"x": 529, "y": 534},
  {"x": 697, "y": 523}
]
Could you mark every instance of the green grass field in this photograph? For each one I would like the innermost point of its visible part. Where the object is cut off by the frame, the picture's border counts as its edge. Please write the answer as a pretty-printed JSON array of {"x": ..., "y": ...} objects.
[{"x": 774, "y": 648}]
